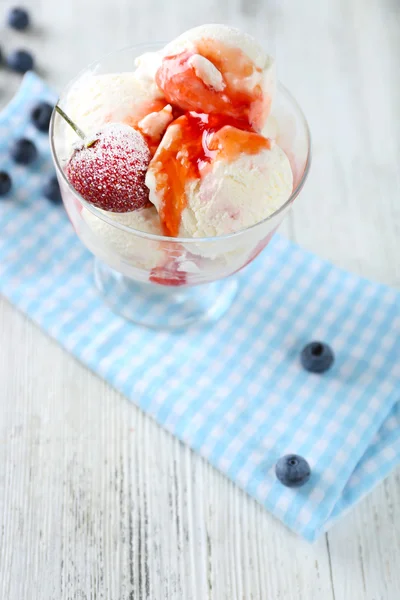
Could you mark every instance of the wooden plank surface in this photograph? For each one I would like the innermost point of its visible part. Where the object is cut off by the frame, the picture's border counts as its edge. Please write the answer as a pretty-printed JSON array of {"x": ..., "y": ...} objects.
[{"x": 96, "y": 502}]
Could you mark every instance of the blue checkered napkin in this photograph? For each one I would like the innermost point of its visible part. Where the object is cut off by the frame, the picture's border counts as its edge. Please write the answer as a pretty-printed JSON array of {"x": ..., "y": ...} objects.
[{"x": 235, "y": 392}]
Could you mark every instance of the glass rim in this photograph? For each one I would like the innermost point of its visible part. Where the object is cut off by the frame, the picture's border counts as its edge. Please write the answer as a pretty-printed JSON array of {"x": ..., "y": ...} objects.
[{"x": 164, "y": 238}]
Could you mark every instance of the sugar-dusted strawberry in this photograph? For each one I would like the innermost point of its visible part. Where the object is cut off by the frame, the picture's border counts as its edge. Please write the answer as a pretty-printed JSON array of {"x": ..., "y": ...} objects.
[
  {"x": 109, "y": 172},
  {"x": 108, "y": 169}
]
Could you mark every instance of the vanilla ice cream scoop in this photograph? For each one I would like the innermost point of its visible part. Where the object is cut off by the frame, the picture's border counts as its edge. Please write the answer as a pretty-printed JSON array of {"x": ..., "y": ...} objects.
[
  {"x": 209, "y": 178},
  {"x": 110, "y": 98},
  {"x": 115, "y": 244},
  {"x": 218, "y": 69},
  {"x": 237, "y": 195}
]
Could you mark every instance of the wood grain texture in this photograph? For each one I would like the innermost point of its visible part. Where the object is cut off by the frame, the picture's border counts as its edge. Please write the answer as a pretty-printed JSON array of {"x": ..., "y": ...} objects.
[{"x": 96, "y": 501}]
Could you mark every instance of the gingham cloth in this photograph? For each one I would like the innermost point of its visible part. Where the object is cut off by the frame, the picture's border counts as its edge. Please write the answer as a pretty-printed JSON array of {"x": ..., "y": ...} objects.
[{"x": 234, "y": 392}]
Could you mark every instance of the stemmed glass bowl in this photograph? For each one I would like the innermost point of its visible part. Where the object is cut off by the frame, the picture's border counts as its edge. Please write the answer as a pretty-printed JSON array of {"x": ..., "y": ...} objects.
[{"x": 165, "y": 282}]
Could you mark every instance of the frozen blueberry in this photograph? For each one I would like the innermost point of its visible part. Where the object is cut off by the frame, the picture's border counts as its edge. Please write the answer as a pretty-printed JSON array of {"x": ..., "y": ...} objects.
[
  {"x": 23, "y": 151},
  {"x": 5, "y": 183},
  {"x": 18, "y": 18},
  {"x": 317, "y": 357},
  {"x": 20, "y": 61},
  {"x": 41, "y": 115},
  {"x": 51, "y": 190},
  {"x": 292, "y": 470}
]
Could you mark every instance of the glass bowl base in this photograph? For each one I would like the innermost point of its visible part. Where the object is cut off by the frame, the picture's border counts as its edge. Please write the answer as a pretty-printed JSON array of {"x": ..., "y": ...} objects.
[{"x": 163, "y": 307}]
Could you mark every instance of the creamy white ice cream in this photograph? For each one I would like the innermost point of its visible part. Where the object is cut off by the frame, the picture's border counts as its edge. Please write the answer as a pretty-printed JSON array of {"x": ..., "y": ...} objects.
[
  {"x": 145, "y": 219},
  {"x": 229, "y": 195},
  {"x": 243, "y": 66},
  {"x": 229, "y": 36},
  {"x": 236, "y": 195},
  {"x": 116, "y": 245},
  {"x": 109, "y": 98}
]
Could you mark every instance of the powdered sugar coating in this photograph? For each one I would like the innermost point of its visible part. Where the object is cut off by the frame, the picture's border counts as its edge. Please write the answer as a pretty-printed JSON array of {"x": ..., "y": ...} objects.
[{"x": 111, "y": 173}]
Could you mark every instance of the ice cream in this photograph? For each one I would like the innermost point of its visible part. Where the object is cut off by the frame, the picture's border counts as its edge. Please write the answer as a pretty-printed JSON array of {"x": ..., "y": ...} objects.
[
  {"x": 116, "y": 245},
  {"x": 201, "y": 104},
  {"x": 218, "y": 69},
  {"x": 109, "y": 98},
  {"x": 207, "y": 181}
]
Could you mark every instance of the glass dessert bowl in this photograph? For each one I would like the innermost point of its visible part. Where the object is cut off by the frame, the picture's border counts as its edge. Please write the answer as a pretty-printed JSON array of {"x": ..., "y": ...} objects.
[{"x": 168, "y": 282}]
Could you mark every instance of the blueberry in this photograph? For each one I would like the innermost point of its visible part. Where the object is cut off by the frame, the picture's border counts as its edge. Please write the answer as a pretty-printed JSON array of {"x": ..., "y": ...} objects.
[
  {"x": 18, "y": 18},
  {"x": 317, "y": 357},
  {"x": 41, "y": 115},
  {"x": 20, "y": 61},
  {"x": 24, "y": 151},
  {"x": 292, "y": 470},
  {"x": 5, "y": 183},
  {"x": 52, "y": 191}
]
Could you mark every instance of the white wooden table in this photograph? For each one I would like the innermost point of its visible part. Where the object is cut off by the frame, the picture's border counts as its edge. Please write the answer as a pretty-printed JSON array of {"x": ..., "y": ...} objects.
[{"x": 96, "y": 502}]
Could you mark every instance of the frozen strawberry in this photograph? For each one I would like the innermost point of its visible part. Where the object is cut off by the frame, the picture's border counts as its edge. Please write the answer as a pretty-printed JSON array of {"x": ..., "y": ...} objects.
[{"x": 109, "y": 172}]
